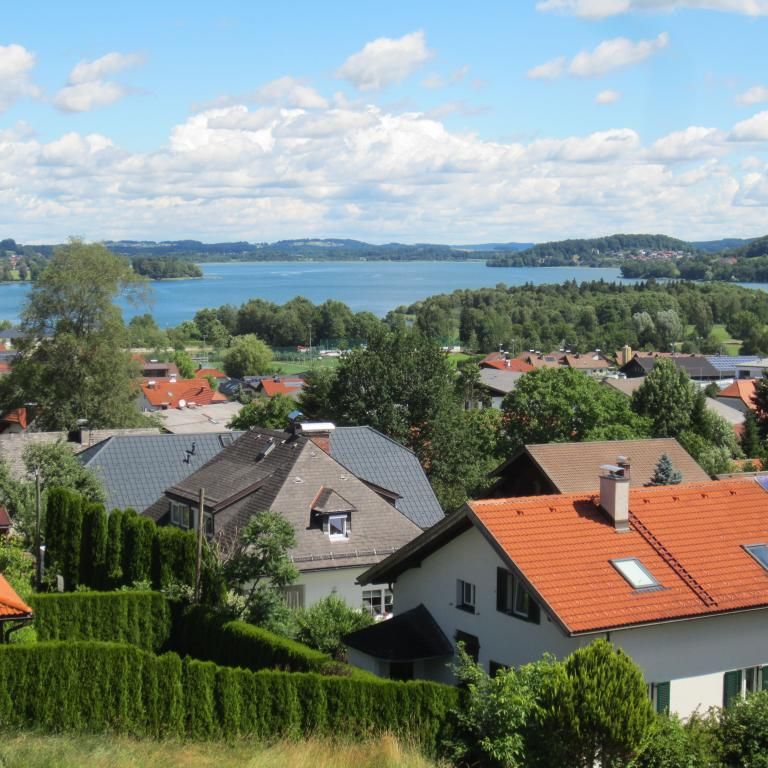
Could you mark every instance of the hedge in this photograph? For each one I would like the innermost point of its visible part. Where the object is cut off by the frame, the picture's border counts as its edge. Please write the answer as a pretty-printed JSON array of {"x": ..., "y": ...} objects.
[
  {"x": 199, "y": 632},
  {"x": 97, "y": 687},
  {"x": 139, "y": 618}
]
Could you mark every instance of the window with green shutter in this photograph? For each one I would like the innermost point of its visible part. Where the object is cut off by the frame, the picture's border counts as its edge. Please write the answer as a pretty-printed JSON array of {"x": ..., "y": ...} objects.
[
  {"x": 731, "y": 686},
  {"x": 764, "y": 686},
  {"x": 661, "y": 697}
]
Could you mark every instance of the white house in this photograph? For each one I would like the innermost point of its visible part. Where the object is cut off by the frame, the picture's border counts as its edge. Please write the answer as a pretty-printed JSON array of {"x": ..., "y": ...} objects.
[{"x": 677, "y": 576}]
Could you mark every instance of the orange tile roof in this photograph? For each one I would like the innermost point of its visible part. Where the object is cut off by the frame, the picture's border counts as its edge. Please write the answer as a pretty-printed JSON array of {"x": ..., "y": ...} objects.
[
  {"x": 690, "y": 537},
  {"x": 289, "y": 387},
  {"x": 516, "y": 365},
  {"x": 590, "y": 361},
  {"x": 11, "y": 605},
  {"x": 16, "y": 416},
  {"x": 215, "y": 372},
  {"x": 170, "y": 393},
  {"x": 741, "y": 389}
]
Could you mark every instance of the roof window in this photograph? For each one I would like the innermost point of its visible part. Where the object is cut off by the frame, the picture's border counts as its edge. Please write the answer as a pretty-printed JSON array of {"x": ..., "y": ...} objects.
[
  {"x": 759, "y": 552},
  {"x": 638, "y": 576}
]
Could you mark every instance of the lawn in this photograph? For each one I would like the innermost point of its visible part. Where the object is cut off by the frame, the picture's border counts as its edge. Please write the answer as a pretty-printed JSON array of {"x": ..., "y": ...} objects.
[
  {"x": 289, "y": 367},
  {"x": 35, "y": 751},
  {"x": 730, "y": 346}
]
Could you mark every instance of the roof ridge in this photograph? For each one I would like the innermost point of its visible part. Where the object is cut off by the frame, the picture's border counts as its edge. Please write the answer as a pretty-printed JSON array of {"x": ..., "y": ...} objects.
[{"x": 672, "y": 561}]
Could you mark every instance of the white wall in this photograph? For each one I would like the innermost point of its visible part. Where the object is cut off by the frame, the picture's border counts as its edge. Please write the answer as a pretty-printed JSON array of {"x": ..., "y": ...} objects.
[
  {"x": 691, "y": 655},
  {"x": 337, "y": 581}
]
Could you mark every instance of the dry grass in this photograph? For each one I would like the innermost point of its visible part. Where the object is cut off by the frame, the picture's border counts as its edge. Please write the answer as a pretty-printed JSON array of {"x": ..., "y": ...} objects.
[{"x": 34, "y": 751}]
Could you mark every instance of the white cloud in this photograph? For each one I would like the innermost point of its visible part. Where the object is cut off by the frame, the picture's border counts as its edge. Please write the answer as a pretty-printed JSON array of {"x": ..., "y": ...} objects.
[
  {"x": 86, "y": 87},
  {"x": 755, "y": 95},
  {"x": 549, "y": 70},
  {"x": 692, "y": 143},
  {"x": 385, "y": 61},
  {"x": 615, "y": 54},
  {"x": 436, "y": 81},
  {"x": 754, "y": 128},
  {"x": 600, "y": 9},
  {"x": 16, "y": 64},
  {"x": 289, "y": 92},
  {"x": 607, "y": 97}
]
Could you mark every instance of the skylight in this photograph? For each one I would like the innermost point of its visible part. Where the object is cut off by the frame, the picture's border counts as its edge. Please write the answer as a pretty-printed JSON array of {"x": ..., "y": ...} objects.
[
  {"x": 635, "y": 573},
  {"x": 759, "y": 552}
]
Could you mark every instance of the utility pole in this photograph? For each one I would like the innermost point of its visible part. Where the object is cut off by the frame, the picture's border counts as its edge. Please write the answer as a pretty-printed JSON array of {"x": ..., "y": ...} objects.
[
  {"x": 38, "y": 574},
  {"x": 199, "y": 558}
]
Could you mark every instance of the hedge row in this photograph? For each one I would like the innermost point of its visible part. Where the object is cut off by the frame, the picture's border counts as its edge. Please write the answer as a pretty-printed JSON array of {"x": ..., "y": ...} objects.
[
  {"x": 203, "y": 634},
  {"x": 138, "y": 618},
  {"x": 97, "y": 687},
  {"x": 102, "y": 551}
]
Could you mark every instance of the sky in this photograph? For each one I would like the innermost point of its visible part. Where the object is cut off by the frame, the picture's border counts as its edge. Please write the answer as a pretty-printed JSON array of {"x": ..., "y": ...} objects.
[{"x": 449, "y": 122}]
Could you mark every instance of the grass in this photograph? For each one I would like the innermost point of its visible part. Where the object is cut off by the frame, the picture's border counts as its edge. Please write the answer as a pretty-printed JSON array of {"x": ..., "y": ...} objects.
[
  {"x": 35, "y": 751},
  {"x": 729, "y": 345},
  {"x": 287, "y": 367}
]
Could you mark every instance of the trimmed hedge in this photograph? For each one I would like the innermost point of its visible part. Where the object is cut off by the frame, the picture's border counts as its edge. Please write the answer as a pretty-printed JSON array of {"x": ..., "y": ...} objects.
[
  {"x": 139, "y": 618},
  {"x": 204, "y": 634},
  {"x": 96, "y": 687}
]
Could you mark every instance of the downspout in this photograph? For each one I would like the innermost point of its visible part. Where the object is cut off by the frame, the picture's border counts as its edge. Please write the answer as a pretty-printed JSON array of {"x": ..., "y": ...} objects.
[{"x": 5, "y": 634}]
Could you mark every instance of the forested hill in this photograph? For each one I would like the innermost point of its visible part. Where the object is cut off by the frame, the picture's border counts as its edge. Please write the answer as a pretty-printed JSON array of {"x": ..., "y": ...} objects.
[
  {"x": 754, "y": 249},
  {"x": 592, "y": 252}
]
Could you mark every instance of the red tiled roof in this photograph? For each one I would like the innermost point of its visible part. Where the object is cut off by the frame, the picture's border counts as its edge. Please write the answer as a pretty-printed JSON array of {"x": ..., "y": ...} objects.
[
  {"x": 16, "y": 416},
  {"x": 515, "y": 365},
  {"x": 689, "y": 537},
  {"x": 11, "y": 605},
  {"x": 5, "y": 367},
  {"x": 217, "y": 374},
  {"x": 170, "y": 393},
  {"x": 741, "y": 389},
  {"x": 590, "y": 361},
  {"x": 5, "y": 518},
  {"x": 289, "y": 387}
]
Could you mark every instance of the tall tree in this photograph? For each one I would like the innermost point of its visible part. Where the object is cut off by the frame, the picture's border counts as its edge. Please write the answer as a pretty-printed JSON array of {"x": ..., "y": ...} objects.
[
  {"x": 667, "y": 397},
  {"x": 73, "y": 361},
  {"x": 750, "y": 436},
  {"x": 248, "y": 356},
  {"x": 760, "y": 401}
]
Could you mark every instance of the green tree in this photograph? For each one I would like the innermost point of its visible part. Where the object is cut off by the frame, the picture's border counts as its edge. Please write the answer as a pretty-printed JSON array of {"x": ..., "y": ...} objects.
[
  {"x": 743, "y": 732},
  {"x": 315, "y": 397},
  {"x": 564, "y": 405},
  {"x": 673, "y": 743},
  {"x": 143, "y": 331},
  {"x": 271, "y": 413},
  {"x": 760, "y": 401},
  {"x": 210, "y": 328},
  {"x": 666, "y": 397},
  {"x": 184, "y": 363},
  {"x": 260, "y": 567},
  {"x": 248, "y": 356},
  {"x": 750, "y": 436},
  {"x": 324, "y": 624},
  {"x": 665, "y": 473},
  {"x": 73, "y": 361}
]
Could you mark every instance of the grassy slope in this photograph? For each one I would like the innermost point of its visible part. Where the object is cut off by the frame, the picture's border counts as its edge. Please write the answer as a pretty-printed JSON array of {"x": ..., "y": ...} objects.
[{"x": 33, "y": 751}]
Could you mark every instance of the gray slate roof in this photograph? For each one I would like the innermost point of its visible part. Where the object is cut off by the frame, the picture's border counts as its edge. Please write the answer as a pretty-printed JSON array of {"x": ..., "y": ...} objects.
[
  {"x": 374, "y": 457},
  {"x": 136, "y": 469},
  {"x": 502, "y": 382}
]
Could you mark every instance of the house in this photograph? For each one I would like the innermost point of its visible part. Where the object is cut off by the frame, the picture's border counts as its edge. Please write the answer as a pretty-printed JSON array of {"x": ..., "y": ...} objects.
[
  {"x": 568, "y": 467},
  {"x": 501, "y": 361},
  {"x": 593, "y": 363},
  {"x": 751, "y": 368},
  {"x": 343, "y": 523},
  {"x": 739, "y": 395},
  {"x": 675, "y": 576},
  {"x": 736, "y": 366},
  {"x": 5, "y": 521},
  {"x": 14, "y": 422},
  {"x": 211, "y": 373},
  {"x": 135, "y": 470},
  {"x": 193, "y": 419},
  {"x": 156, "y": 369},
  {"x": 162, "y": 394},
  {"x": 14, "y": 612},
  {"x": 698, "y": 367},
  {"x": 498, "y": 384},
  {"x": 289, "y": 386}
]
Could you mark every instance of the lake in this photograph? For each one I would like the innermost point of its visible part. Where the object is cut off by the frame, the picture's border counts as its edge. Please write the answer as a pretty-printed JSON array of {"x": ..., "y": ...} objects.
[{"x": 376, "y": 286}]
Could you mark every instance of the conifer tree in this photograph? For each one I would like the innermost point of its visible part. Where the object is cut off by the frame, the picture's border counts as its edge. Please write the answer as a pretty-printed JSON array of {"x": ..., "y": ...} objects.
[
  {"x": 750, "y": 436},
  {"x": 665, "y": 473},
  {"x": 760, "y": 401}
]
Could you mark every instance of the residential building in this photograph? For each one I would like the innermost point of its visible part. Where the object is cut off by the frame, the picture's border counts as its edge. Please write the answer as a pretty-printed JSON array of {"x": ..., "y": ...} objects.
[
  {"x": 156, "y": 369},
  {"x": 343, "y": 523},
  {"x": 14, "y": 612},
  {"x": 676, "y": 576},
  {"x": 135, "y": 470},
  {"x": 698, "y": 367},
  {"x": 752, "y": 368},
  {"x": 215, "y": 373},
  {"x": 289, "y": 386},
  {"x": 739, "y": 395},
  {"x": 501, "y": 361},
  {"x": 569, "y": 467},
  {"x": 498, "y": 384},
  {"x": 593, "y": 363},
  {"x": 193, "y": 419},
  {"x": 162, "y": 394},
  {"x": 5, "y": 521}
]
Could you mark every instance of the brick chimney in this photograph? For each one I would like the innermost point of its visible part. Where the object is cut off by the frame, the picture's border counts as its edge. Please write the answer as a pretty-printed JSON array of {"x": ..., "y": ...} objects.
[
  {"x": 319, "y": 433},
  {"x": 614, "y": 492}
]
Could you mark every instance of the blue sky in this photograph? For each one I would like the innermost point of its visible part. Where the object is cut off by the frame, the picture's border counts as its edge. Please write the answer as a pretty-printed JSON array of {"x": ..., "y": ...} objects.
[{"x": 442, "y": 122}]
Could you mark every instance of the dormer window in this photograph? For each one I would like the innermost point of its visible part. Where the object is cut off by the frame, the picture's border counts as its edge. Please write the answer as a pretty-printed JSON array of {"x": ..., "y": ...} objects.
[
  {"x": 334, "y": 513},
  {"x": 338, "y": 526}
]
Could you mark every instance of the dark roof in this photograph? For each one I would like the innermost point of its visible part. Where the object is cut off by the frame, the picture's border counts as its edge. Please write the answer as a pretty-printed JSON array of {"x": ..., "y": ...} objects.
[
  {"x": 407, "y": 637},
  {"x": 381, "y": 461},
  {"x": 279, "y": 471},
  {"x": 329, "y": 502},
  {"x": 135, "y": 470},
  {"x": 696, "y": 366},
  {"x": 5, "y": 519}
]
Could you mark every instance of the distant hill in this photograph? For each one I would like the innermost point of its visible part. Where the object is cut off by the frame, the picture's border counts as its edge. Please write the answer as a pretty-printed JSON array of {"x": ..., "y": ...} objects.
[
  {"x": 498, "y": 247},
  {"x": 592, "y": 252},
  {"x": 752, "y": 249},
  {"x": 715, "y": 246}
]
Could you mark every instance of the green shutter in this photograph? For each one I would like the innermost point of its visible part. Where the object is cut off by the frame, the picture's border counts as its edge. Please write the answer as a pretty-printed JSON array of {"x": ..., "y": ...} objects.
[
  {"x": 764, "y": 686},
  {"x": 731, "y": 686},
  {"x": 501, "y": 590},
  {"x": 662, "y": 698}
]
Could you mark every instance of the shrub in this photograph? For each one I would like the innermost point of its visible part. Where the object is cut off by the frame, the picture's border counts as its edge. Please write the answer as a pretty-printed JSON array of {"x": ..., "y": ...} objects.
[
  {"x": 173, "y": 557},
  {"x": 673, "y": 743},
  {"x": 114, "y": 554},
  {"x": 743, "y": 732},
  {"x": 137, "y": 618},
  {"x": 64, "y": 525},
  {"x": 93, "y": 546},
  {"x": 323, "y": 625},
  {"x": 138, "y": 540}
]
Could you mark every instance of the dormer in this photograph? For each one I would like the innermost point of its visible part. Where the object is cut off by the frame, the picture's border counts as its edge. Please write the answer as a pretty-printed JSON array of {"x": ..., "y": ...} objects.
[{"x": 332, "y": 512}]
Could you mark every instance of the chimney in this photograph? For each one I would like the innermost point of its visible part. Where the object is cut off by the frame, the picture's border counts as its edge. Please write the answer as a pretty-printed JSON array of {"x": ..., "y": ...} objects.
[
  {"x": 319, "y": 433},
  {"x": 625, "y": 355},
  {"x": 614, "y": 492},
  {"x": 151, "y": 384}
]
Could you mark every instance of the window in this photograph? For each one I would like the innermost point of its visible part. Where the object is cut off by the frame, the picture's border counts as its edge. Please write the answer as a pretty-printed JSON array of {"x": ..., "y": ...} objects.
[
  {"x": 378, "y": 602},
  {"x": 514, "y": 599},
  {"x": 181, "y": 515},
  {"x": 294, "y": 596},
  {"x": 471, "y": 644},
  {"x": 759, "y": 552},
  {"x": 494, "y": 667},
  {"x": 635, "y": 573},
  {"x": 208, "y": 524},
  {"x": 740, "y": 682},
  {"x": 465, "y": 596},
  {"x": 659, "y": 693},
  {"x": 338, "y": 527},
  {"x": 401, "y": 670}
]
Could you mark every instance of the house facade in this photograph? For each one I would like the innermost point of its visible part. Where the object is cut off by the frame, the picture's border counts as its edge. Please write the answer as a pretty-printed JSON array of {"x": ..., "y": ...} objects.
[{"x": 676, "y": 576}]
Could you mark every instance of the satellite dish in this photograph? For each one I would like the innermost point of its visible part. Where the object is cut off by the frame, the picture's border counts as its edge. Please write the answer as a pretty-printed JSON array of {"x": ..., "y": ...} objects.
[{"x": 182, "y": 403}]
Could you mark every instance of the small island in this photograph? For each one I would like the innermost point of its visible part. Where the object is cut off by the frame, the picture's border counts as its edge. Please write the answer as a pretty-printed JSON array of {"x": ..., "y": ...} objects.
[{"x": 164, "y": 268}]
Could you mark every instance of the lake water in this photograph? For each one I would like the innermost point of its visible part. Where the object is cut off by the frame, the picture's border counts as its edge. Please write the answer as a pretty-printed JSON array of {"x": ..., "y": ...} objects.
[{"x": 376, "y": 286}]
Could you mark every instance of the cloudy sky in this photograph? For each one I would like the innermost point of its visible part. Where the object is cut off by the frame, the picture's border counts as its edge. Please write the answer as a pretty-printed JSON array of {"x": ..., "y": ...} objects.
[{"x": 409, "y": 121}]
